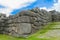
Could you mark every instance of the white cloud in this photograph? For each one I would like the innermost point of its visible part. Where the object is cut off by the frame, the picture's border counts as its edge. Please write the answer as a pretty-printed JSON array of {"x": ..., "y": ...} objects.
[
  {"x": 48, "y": 9},
  {"x": 56, "y": 6},
  {"x": 14, "y": 4},
  {"x": 5, "y": 11},
  {"x": 43, "y": 8}
]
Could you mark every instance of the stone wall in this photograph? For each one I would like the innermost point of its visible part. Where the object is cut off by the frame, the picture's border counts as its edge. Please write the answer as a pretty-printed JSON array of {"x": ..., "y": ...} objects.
[
  {"x": 27, "y": 22},
  {"x": 55, "y": 15}
]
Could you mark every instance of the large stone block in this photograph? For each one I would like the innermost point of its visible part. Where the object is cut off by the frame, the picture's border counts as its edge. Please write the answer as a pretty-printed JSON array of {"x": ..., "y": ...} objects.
[
  {"x": 33, "y": 19},
  {"x": 24, "y": 28},
  {"x": 25, "y": 19},
  {"x": 37, "y": 24},
  {"x": 39, "y": 19},
  {"x": 22, "y": 19}
]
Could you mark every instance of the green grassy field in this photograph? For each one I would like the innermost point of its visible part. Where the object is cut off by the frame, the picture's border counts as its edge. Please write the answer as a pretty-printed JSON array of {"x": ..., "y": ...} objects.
[{"x": 40, "y": 35}]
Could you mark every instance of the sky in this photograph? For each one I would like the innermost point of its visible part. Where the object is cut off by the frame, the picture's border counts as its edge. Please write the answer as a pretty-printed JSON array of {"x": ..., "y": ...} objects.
[{"x": 11, "y": 7}]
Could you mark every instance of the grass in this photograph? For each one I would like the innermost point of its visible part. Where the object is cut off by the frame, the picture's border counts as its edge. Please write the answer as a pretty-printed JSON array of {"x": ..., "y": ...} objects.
[
  {"x": 33, "y": 36},
  {"x": 6, "y": 37}
]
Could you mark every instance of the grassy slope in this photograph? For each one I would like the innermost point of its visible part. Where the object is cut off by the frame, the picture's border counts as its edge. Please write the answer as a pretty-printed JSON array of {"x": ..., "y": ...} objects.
[{"x": 31, "y": 37}]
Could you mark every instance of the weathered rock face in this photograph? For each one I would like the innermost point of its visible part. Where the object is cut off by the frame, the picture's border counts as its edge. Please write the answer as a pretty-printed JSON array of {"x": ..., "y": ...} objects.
[
  {"x": 55, "y": 15},
  {"x": 3, "y": 22},
  {"x": 26, "y": 22}
]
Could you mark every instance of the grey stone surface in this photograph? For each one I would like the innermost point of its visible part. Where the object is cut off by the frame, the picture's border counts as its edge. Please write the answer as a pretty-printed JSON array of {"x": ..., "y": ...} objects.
[
  {"x": 25, "y": 28},
  {"x": 24, "y": 19}
]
